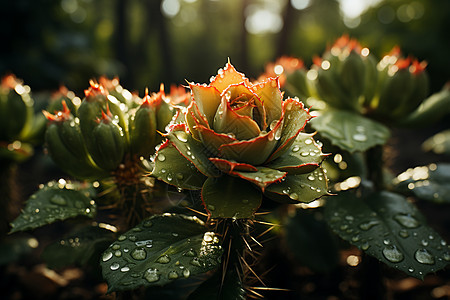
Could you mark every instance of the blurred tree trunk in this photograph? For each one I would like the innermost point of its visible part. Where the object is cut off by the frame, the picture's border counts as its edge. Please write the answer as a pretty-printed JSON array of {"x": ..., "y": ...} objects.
[
  {"x": 243, "y": 61},
  {"x": 289, "y": 18},
  {"x": 157, "y": 25},
  {"x": 122, "y": 51}
]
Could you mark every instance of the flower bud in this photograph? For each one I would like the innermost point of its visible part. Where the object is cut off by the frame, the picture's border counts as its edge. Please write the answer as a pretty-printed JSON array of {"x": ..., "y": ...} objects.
[{"x": 16, "y": 111}]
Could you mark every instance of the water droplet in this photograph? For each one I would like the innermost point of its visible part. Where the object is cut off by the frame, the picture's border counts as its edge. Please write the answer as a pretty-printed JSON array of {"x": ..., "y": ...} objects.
[
  {"x": 368, "y": 225},
  {"x": 114, "y": 266},
  {"x": 311, "y": 177},
  {"x": 392, "y": 254},
  {"x": 165, "y": 259},
  {"x": 107, "y": 256},
  {"x": 196, "y": 262},
  {"x": 365, "y": 246},
  {"x": 121, "y": 238},
  {"x": 443, "y": 243},
  {"x": 118, "y": 253},
  {"x": 293, "y": 196},
  {"x": 386, "y": 242},
  {"x": 278, "y": 135},
  {"x": 139, "y": 254},
  {"x": 146, "y": 243},
  {"x": 295, "y": 148},
  {"x": 446, "y": 256},
  {"x": 360, "y": 137},
  {"x": 407, "y": 221},
  {"x": 126, "y": 250},
  {"x": 411, "y": 270},
  {"x": 424, "y": 257},
  {"x": 403, "y": 233},
  {"x": 132, "y": 238},
  {"x": 125, "y": 269},
  {"x": 115, "y": 247},
  {"x": 355, "y": 238},
  {"x": 181, "y": 136},
  {"x": 161, "y": 157},
  {"x": 349, "y": 218},
  {"x": 186, "y": 273},
  {"x": 424, "y": 243},
  {"x": 172, "y": 275},
  {"x": 308, "y": 141},
  {"x": 169, "y": 177},
  {"x": 58, "y": 200},
  {"x": 175, "y": 234},
  {"x": 304, "y": 154},
  {"x": 151, "y": 275},
  {"x": 147, "y": 223},
  {"x": 190, "y": 253}
]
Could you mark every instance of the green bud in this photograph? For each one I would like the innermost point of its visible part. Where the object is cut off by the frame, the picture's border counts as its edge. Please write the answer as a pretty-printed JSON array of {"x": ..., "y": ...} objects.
[{"x": 143, "y": 130}]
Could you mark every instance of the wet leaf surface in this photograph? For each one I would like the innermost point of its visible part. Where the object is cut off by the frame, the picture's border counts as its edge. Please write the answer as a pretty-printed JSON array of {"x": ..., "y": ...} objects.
[
  {"x": 350, "y": 131},
  {"x": 159, "y": 250},
  {"x": 388, "y": 227},
  {"x": 53, "y": 202}
]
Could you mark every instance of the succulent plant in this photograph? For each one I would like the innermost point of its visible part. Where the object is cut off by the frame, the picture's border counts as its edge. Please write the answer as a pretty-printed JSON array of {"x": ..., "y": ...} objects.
[
  {"x": 20, "y": 132},
  {"x": 238, "y": 140}
]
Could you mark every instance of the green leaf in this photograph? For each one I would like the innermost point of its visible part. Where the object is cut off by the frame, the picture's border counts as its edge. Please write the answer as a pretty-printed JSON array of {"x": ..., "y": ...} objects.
[
  {"x": 350, "y": 131},
  {"x": 262, "y": 177},
  {"x": 231, "y": 289},
  {"x": 388, "y": 227},
  {"x": 438, "y": 143},
  {"x": 305, "y": 155},
  {"x": 79, "y": 248},
  {"x": 173, "y": 168},
  {"x": 311, "y": 242},
  {"x": 159, "y": 250},
  {"x": 192, "y": 150},
  {"x": 430, "y": 182},
  {"x": 432, "y": 109},
  {"x": 52, "y": 203},
  {"x": 299, "y": 188},
  {"x": 230, "y": 197}
]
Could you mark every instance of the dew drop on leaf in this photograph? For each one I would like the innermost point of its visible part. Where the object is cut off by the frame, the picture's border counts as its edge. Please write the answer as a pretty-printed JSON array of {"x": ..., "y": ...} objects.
[
  {"x": 151, "y": 275},
  {"x": 125, "y": 269},
  {"x": 165, "y": 259},
  {"x": 114, "y": 266},
  {"x": 360, "y": 137},
  {"x": 139, "y": 254},
  {"x": 172, "y": 275},
  {"x": 115, "y": 247},
  {"x": 121, "y": 238},
  {"x": 403, "y": 233},
  {"x": 195, "y": 262},
  {"x": 407, "y": 221},
  {"x": 161, "y": 157},
  {"x": 107, "y": 256},
  {"x": 424, "y": 257},
  {"x": 446, "y": 256},
  {"x": 186, "y": 273},
  {"x": 392, "y": 254},
  {"x": 58, "y": 200},
  {"x": 181, "y": 136},
  {"x": 118, "y": 253},
  {"x": 368, "y": 225}
]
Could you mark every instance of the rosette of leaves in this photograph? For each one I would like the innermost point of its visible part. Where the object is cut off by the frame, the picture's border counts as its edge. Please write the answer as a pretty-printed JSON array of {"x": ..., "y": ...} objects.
[{"x": 238, "y": 140}]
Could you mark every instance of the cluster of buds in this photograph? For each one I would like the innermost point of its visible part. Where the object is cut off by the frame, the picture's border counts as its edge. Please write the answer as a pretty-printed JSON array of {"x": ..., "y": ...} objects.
[
  {"x": 18, "y": 124},
  {"x": 91, "y": 138},
  {"x": 348, "y": 77}
]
